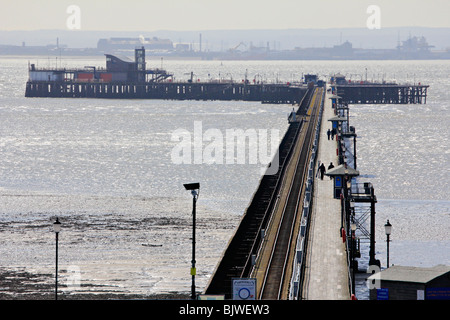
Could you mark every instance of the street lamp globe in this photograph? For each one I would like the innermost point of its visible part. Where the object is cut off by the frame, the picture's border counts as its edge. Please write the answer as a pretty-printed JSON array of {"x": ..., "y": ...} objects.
[
  {"x": 388, "y": 228},
  {"x": 57, "y": 226}
]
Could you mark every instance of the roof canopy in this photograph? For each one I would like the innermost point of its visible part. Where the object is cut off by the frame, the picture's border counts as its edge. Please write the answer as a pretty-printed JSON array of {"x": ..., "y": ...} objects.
[
  {"x": 411, "y": 274},
  {"x": 337, "y": 118},
  {"x": 341, "y": 170},
  {"x": 120, "y": 57}
]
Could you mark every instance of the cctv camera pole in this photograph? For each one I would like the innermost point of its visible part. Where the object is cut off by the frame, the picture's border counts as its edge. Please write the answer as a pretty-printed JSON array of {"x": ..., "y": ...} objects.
[{"x": 193, "y": 271}]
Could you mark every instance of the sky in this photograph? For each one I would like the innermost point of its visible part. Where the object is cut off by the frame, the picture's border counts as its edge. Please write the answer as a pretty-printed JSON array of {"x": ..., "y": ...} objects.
[{"x": 153, "y": 15}]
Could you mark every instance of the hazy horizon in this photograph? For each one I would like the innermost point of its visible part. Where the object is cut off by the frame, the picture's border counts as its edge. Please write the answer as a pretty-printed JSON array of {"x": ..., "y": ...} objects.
[
  {"x": 179, "y": 15},
  {"x": 285, "y": 24},
  {"x": 218, "y": 40}
]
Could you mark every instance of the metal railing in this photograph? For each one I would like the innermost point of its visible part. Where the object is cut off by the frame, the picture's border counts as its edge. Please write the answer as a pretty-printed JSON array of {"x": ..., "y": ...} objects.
[{"x": 297, "y": 279}]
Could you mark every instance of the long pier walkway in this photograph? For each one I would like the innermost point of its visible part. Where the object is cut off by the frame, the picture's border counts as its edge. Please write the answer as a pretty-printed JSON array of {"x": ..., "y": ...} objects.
[
  {"x": 237, "y": 260},
  {"x": 275, "y": 265},
  {"x": 326, "y": 270}
]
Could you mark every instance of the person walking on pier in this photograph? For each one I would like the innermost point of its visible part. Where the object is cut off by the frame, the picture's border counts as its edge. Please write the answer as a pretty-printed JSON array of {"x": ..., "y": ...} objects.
[
  {"x": 292, "y": 116},
  {"x": 328, "y": 134},
  {"x": 331, "y": 166},
  {"x": 322, "y": 171}
]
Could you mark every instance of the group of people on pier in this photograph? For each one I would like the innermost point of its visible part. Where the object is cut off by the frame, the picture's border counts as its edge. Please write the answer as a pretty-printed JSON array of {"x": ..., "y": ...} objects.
[{"x": 331, "y": 133}]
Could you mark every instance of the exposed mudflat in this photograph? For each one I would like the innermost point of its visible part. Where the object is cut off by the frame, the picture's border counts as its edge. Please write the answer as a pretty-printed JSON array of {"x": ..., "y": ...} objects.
[{"x": 22, "y": 285}]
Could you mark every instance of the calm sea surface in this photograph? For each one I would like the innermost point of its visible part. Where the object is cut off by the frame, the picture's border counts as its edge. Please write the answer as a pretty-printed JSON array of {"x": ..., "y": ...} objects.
[{"x": 105, "y": 168}]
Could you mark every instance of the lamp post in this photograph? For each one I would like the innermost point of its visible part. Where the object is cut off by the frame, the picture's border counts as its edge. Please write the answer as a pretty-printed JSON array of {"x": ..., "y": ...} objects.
[
  {"x": 57, "y": 229},
  {"x": 353, "y": 228},
  {"x": 193, "y": 187},
  {"x": 388, "y": 230}
]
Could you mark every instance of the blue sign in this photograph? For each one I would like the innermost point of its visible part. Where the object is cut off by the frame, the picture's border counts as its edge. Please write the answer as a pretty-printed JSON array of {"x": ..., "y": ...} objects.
[
  {"x": 338, "y": 181},
  {"x": 244, "y": 289},
  {"x": 438, "y": 294},
  {"x": 383, "y": 294}
]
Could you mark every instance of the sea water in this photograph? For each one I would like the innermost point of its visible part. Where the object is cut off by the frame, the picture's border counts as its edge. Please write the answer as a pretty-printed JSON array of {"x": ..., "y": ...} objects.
[{"x": 105, "y": 168}]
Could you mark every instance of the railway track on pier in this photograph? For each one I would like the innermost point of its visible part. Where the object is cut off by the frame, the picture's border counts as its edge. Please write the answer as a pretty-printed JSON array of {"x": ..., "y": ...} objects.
[
  {"x": 277, "y": 273},
  {"x": 236, "y": 261}
]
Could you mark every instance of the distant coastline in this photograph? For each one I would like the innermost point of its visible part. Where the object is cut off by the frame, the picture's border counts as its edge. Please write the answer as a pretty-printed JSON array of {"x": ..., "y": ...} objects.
[{"x": 407, "y": 43}]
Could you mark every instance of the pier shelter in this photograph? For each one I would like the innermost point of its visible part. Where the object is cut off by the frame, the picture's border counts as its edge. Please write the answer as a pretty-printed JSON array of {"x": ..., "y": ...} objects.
[
  {"x": 411, "y": 283},
  {"x": 341, "y": 174}
]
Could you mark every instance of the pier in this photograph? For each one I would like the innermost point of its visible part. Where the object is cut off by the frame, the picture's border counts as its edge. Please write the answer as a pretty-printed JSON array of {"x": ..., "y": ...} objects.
[
  {"x": 368, "y": 92},
  {"x": 266, "y": 93},
  {"x": 325, "y": 264},
  {"x": 307, "y": 238},
  {"x": 379, "y": 93},
  {"x": 264, "y": 245},
  {"x": 297, "y": 238},
  {"x": 123, "y": 78}
]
